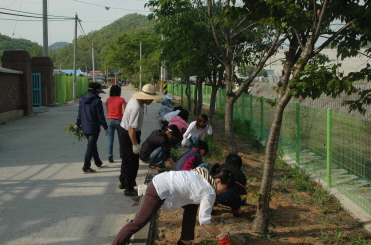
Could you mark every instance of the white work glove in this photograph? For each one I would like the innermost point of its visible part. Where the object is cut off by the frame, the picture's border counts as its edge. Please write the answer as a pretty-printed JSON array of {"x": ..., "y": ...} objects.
[
  {"x": 75, "y": 128},
  {"x": 183, "y": 142},
  {"x": 106, "y": 131},
  {"x": 136, "y": 149}
]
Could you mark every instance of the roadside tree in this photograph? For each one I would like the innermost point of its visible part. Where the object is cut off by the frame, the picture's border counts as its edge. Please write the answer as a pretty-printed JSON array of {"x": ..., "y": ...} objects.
[{"x": 302, "y": 24}]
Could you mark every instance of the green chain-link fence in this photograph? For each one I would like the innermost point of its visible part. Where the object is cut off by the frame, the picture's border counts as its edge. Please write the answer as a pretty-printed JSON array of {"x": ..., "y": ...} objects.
[
  {"x": 63, "y": 88},
  {"x": 335, "y": 147}
]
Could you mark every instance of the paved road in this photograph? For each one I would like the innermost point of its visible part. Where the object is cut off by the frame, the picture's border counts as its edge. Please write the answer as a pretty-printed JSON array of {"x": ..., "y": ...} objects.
[{"x": 44, "y": 196}]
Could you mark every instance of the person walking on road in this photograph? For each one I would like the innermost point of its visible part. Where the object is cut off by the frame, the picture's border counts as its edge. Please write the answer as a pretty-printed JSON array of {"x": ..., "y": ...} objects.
[
  {"x": 115, "y": 109},
  {"x": 132, "y": 123},
  {"x": 187, "y": 189},
  {"x": 90, "y": 117}
]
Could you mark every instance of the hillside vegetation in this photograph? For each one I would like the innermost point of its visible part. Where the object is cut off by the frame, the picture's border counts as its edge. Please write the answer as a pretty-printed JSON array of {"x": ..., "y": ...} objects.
[
  {"x": 8, "y": 43},
  {"x": 58, "y": 45},
  {"x": 131, "y": 23}
]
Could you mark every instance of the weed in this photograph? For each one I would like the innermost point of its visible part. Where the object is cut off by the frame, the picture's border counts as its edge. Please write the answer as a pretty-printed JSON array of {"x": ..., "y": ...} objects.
[
  {"x": 297, "y": 179},
  {"x": 338, "y": 236},
  {"x": 270, "y": 235},
  {"x": 175, "y": 154},
  {"x": 210, "y": 242},
  {"x": 280, "y": 163},
  {"x": 247, "y": 237},
  {"x": 357, "y": 240},
  {"x": 218, "y": 115},
  {"x": 216, "y": 154},
  {"x": 325, "y": 238},
  {"x": 243, "y": 127}
]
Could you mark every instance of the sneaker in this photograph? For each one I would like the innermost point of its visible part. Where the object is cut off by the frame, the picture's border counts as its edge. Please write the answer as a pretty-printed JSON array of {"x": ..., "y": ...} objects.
[
  {"x": 130, "y": 191},
  {"x": 88, "y": 171},
  {"x": 99, "y": 165},
  {"x": 159, "y": 168},
  {"x": 110, "y": 159}
]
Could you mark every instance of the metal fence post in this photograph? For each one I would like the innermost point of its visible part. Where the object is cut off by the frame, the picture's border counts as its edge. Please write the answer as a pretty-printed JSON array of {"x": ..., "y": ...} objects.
[
  {"x": 243, "y": 106},
  {"x": 261, "y": 118},
  {"x": 328, "y": 147},
  {"x": 251, "y": 113},
  {"x": 297, "y": 134}
]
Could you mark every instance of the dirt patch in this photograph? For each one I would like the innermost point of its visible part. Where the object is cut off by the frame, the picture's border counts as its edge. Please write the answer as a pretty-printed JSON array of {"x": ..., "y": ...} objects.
[{"x": 294, "y": 220}]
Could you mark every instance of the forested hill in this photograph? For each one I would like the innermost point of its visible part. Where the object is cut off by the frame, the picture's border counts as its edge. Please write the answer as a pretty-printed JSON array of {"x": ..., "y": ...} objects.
[
  {"x": 8, "y": 43},
  {"x": 58, "y": 45},
  {"x": 63, "y": 58}
]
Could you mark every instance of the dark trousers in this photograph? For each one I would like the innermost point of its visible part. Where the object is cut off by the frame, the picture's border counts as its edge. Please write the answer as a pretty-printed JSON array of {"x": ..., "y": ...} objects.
[
  {"x": 91, "y": 151},
  {"x": 230, "y": 199},
  {"x": 150, "y": 206},
  {"x": 130, "y": 161}
]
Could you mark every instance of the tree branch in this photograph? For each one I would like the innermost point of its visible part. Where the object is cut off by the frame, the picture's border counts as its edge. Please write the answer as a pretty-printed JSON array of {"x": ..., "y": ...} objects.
[{"x": 330, "y": 39}]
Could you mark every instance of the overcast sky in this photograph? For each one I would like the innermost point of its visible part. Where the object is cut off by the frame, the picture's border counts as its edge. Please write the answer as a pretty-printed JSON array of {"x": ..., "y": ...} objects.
[{"x": 92, "y": 13}]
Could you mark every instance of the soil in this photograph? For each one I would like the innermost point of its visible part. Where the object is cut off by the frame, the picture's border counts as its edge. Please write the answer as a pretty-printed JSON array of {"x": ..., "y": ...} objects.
[{"x": 293, "y": 219}]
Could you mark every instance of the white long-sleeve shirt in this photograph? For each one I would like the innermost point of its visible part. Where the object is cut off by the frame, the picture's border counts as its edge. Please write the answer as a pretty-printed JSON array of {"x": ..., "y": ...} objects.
[
  {"x": 180, "y": 188},
  {"x": 192, "y": 129}
]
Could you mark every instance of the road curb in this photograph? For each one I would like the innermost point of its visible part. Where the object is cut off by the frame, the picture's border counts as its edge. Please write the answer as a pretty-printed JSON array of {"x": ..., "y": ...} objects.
[{"x": 145, "y": 235}]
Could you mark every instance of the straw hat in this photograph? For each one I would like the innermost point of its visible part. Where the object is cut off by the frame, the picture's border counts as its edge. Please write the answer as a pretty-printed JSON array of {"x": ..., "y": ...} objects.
[{"x": 148, "y": 93}]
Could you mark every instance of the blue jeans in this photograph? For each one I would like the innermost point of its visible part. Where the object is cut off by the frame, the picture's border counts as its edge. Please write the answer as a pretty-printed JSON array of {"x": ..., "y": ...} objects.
[
  {"x": 192, "y": 141},
  {"x": 113, "y": 124},
  {"x": 204, "y": 165},
  {"x": 91, "y": 151},
  {"x": 230, "y": 199},
  {"x": 156, "y": 158}
]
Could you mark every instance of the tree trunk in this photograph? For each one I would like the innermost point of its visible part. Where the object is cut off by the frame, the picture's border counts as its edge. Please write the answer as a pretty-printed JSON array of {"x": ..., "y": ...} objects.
[
  {"x": 229, "y": 133},
  {"x": 216, "y": 81},
  {"x": 195, "y": 101},
  {"x": 188, "y": 93},
  {"x": 261, "y": 221},
  {"x": 214, "y": 91},
  {"x": 199, "y": 95}
]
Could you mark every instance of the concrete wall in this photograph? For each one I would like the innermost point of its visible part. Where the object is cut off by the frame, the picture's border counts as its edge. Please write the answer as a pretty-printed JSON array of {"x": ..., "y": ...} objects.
[
  {"x": 16, "y": 83},
  {"x": 20, "y": 60},
  {"x": 10, "y": 96}
]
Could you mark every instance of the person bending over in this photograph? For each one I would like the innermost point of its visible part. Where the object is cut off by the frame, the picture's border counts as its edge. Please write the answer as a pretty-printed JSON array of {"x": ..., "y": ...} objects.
[
  {"x": 232, "y": 197},
  {"x": 156, "y": 148},
  {"x": 193, "y": 158},
  {"x": 186, "y": 189}
]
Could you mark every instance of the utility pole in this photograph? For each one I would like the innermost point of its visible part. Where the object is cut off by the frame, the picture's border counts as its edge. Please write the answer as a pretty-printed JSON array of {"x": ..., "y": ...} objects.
[
  {"x": 140, "y": 67},
  {"x": 92, "y": 57},
  {"x": 74, "y": 59},
  {"x": 45, "y": 28}
]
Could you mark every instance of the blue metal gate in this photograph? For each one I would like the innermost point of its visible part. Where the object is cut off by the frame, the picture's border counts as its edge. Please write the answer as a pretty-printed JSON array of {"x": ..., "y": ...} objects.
[{"x": 36, "y": 89}]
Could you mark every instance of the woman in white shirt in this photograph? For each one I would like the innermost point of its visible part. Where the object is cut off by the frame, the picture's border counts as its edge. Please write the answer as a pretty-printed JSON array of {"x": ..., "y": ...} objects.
[
  {"x": 196, "y": 131},
  {"x": 187, "y": 189}
]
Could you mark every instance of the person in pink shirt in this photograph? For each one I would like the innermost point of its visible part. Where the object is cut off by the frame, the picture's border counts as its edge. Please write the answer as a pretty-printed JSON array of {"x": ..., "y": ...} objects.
[
  {"x": 115, "y": 109},
  {"x": 181, "y": 122}
]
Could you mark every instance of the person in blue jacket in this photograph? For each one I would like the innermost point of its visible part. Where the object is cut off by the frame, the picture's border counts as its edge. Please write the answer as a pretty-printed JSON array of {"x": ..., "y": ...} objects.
[{"x": 90, "y": 117}]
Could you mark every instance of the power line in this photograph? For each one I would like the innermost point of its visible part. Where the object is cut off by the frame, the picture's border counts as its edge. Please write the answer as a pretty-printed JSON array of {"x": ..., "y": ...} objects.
[
  {"x": 33, "y": 13},
  {"x": 37, "y": 17},
  {"x": 33, "y": 20},
  {"x": 107, "y": 7}
]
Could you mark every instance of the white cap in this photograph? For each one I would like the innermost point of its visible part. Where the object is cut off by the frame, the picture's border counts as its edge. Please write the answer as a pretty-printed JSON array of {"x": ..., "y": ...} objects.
[{"x": 169, "y": 97}]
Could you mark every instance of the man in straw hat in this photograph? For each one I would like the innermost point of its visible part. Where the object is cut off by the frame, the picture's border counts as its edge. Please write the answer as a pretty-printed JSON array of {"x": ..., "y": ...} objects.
[{"x": 132, "y": 123}]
